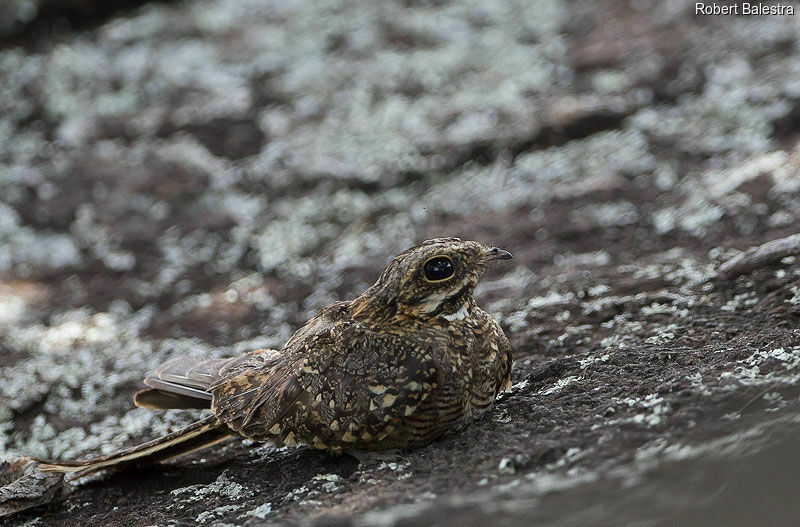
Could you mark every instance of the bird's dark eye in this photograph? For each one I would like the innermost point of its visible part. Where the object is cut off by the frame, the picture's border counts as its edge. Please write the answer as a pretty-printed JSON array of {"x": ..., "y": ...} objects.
[{"x": 438, "y": 268}]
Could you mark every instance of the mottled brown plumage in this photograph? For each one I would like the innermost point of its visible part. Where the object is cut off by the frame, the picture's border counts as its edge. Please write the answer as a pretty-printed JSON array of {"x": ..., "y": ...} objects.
[{"x": 408, "y": 361}]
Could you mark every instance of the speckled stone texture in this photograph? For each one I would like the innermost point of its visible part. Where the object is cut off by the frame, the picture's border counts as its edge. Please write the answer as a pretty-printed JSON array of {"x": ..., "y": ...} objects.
[{"x": 201, "y": 176}]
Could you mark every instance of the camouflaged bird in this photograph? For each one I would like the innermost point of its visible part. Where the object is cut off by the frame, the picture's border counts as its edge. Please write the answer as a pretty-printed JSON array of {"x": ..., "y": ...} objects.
[{"x": 408, "y": 361}]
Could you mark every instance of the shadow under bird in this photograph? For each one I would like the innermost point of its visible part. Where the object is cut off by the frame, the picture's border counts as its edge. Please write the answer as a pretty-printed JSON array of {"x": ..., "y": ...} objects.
[{"x": 411, "y": 359}]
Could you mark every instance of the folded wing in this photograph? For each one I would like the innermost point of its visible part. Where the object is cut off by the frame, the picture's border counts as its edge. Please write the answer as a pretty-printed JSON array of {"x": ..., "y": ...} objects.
[{"x": 184, "y": 382}]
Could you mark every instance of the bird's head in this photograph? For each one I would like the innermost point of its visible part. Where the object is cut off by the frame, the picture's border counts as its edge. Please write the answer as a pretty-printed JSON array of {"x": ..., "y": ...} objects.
[{"x": 436, "y": 277}]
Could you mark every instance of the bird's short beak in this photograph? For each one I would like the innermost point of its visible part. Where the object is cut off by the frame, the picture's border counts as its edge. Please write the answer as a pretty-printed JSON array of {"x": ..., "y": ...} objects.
[{"x": 496, "y": 253}]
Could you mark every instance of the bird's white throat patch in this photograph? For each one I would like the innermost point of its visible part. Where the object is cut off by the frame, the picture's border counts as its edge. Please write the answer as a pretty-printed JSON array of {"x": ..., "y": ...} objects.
[{"x": 461, "y": 314}]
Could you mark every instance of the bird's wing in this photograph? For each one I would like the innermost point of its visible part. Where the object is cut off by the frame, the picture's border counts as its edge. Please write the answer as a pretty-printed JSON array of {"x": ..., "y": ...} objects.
[
  {"x": 340, "y": 387},
  {"x": 184, "y": 382}
]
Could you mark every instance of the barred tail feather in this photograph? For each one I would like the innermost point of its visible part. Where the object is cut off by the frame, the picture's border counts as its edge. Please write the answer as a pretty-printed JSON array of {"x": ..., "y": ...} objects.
[{"x": 194, "y": 437}]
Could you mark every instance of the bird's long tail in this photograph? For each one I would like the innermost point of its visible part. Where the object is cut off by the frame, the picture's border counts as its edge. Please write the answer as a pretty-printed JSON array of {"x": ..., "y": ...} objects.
[{"x": 197, "y": 435}]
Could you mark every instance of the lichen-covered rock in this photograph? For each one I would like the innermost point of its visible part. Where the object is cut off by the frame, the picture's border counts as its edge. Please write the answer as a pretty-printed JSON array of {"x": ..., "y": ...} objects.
[
  {"x": 200, "y": 177},
  {"x": 23, "y": 485}
]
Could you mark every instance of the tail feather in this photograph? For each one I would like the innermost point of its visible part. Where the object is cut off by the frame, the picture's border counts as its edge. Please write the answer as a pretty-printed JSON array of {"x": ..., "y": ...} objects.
[
  {"x": 156, "y": 399},
  {"x": 194, "y": 437}
]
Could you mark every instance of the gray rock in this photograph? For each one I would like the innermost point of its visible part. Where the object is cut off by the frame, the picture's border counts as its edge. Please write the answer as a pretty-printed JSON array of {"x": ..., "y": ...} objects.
[{"x": 201, "y": 177}]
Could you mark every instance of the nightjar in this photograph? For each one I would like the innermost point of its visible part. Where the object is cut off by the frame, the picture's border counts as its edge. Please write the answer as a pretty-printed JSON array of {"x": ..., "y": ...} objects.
[{"x": 410, "y": 360}]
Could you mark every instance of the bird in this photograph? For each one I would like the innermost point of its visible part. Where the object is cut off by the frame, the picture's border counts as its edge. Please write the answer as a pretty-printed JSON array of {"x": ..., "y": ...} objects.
[{"x": 412, "y": 359}]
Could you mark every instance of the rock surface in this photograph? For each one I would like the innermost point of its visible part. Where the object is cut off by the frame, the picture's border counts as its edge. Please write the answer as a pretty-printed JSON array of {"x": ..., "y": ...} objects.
[{"x": 200, "y": 177}]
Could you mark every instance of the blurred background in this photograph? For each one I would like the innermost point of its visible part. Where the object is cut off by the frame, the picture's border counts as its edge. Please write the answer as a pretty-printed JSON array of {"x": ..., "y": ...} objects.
[{"x": 202, "y": 176}]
